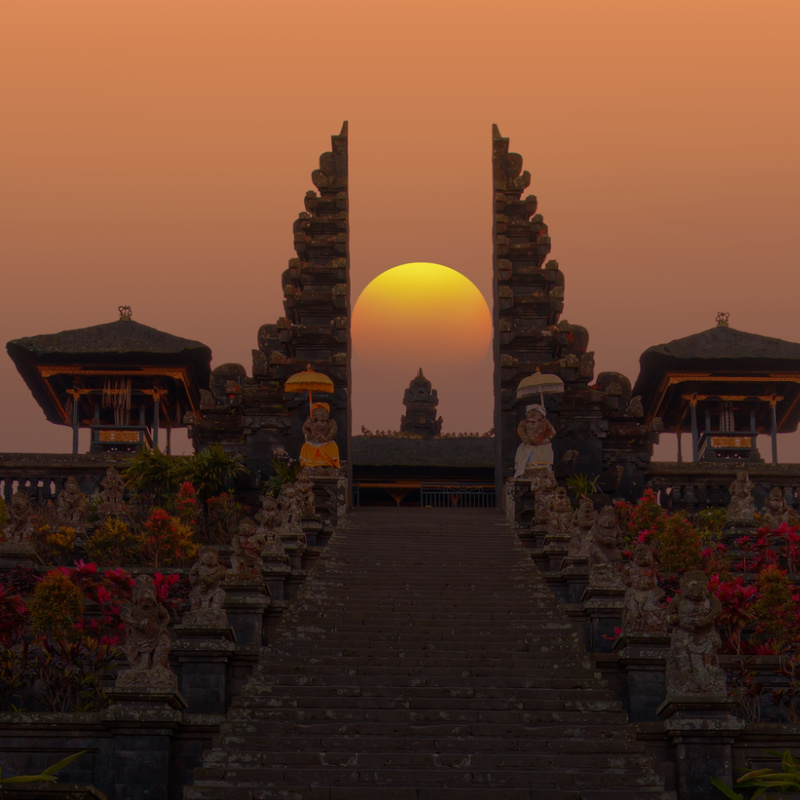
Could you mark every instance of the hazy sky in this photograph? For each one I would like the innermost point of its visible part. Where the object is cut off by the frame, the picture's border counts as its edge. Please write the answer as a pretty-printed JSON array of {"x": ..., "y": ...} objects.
[{"x": 156, "y": 154}]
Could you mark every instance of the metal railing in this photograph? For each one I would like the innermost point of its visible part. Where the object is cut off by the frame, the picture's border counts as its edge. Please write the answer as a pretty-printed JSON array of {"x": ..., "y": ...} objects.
[{"x": 457, "y": 495}]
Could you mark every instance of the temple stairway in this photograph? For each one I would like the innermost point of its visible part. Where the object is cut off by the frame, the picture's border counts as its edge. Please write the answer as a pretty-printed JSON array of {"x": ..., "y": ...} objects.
[{"x": 425, "y": 659}]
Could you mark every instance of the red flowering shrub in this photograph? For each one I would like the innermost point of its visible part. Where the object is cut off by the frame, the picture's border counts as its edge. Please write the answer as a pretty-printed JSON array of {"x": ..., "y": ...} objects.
[{"x": 166, "y": 540}]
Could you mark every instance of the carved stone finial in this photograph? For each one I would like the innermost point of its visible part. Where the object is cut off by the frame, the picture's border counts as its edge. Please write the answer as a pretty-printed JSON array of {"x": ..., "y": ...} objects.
[
  {"x": 722, "y": 319},
  {"x": 125, "y": 313}
]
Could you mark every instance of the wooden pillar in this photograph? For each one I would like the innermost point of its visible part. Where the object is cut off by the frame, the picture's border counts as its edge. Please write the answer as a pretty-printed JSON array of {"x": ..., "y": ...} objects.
[
  {"x": 156, "y": 421},
  {"x": 680, "y": 451},
  {"x": 773, "y": 403},
  {"x": 76, "y": 401},
  {"x": 695, "y": 443}
]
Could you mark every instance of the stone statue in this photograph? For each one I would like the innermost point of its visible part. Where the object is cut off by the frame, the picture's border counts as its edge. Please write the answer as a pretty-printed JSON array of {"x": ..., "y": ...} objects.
[
  {"x": 543, "y": 484},
  {"x": 111, "y": 497},
  {"x": 269, "y": 519},
  {"x": 535, "y": 449},
  {"x": 583, "y": 521},
  {"x": 559, "y": 520},
  {"x": 642, "y": 611},
  {"x": 207, "y": 596},
  {"x": 291, "y": 512},
  {"x": 320, "y": 449},
  {"x": 72, "y": 505},
  {"x": 777, "y": 511},
  {"x": 692, "y": 664},
  {"x": 304, "y": 487},
  {"x": 19, "y": 528},
  {"x": 605, "y": 558},
  {"x": 246, "y": 559},
  {"x": 147, "y": 639},
  {"x": 741, "y": 507}
]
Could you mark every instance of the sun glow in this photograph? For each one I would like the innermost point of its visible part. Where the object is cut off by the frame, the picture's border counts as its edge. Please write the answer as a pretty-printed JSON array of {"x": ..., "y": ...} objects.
[{"x": 421, "y": 314}]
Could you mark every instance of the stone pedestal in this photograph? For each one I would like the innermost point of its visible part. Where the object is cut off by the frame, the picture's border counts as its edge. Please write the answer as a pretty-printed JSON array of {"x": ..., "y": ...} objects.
[
  {"x": 312, "y": 527},
  {"x": 330, "y": 495},
  {"x": 702, "y": 731},
  {"x": 603, "y": 608},
  {"x": 556, "y": 547},
  {"x": 143, "y": 722},
  {"x": 203, "y": 653},
  {"x": 641, "y": 660},
  {"x": 519, "y": 501},
  {"x": 246, "y": 600},
  {"x": 275, "y": 574},
  {"x": 575, "y": 572}
]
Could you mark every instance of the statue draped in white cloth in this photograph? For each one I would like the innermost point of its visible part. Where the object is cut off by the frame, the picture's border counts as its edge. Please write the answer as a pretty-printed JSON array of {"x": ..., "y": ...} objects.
[{"x": 535, "y": 450}]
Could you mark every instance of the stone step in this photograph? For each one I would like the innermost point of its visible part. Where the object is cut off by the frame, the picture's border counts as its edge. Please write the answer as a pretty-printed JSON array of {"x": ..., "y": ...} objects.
[
  {"x": 452, "y": 777},
  {"x": 425, "y": 659}
]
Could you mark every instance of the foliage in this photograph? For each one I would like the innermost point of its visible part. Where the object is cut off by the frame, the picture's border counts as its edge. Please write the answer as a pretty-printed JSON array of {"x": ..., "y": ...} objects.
[
  {"x": 153, "y": 472},
  {"x": 737, "y": 609},
  {"x": 48, "y": 774},
  {"x": 64, "y": 664},
  {"x": 762, "y": 780},
  {"x": 114, "y": 543},
  {"x": 166, "y": 541},
  {"x": 775, "y": 610},
  {"x": 581, "y": 485},
  {"x": 59, "y": 543},
  {"x": 286, "y": 470},
  {"x": 224, "y": 513},
  {"x": 186, "y": 506},
  {"x": 213, "y": 471},
  {"x": 56, "y": 604}
]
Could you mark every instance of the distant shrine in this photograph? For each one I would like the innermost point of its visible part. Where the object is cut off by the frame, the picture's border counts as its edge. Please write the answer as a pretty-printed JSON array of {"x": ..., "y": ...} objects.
[{"x": 421, "y": 402}]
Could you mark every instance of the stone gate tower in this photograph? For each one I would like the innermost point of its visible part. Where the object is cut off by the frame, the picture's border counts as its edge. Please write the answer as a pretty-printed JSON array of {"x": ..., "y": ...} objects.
[
  {"x": 599, "y": 429},
  {"x": 253, "y": 415}
]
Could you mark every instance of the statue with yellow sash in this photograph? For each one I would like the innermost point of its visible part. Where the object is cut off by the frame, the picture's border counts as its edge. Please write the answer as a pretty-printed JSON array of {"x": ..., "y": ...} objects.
[{"x": 320, "y": 449}]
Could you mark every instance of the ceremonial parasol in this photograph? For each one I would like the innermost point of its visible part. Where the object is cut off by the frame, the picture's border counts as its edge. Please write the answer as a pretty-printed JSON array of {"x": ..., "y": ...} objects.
[
  {"x": 308, "y": 381},
  {"x": 540, "y": 384}
]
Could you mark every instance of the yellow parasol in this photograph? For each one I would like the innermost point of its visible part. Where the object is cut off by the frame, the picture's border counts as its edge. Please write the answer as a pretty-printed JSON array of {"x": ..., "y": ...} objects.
[
  {"x": 308, "y": 381},
  {"x": 540, "y": 384}
]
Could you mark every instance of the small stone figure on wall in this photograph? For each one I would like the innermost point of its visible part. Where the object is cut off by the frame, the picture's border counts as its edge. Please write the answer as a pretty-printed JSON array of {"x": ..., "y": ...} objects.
[
  {"x": 583, "y": 521},
  {"x": 269, "y": 521},
  {"x": 642, "y": 611},
  {"x": 19, "y": 528},
  {"x": 147, "y": 639},
  {"x": 320, "y": 449},
  {"x": 246, "y": 559},
  {"x": 112, "y": 495},
  {"x": 291, "y": 513},
  {"x": 304, "y": 487},
  {"x": 72, "y": 505},
  {"x": 777, "y": 511},
  {"x": 543, "y": 483},
  {"x": 535, "y": 449},
  {"x": 605, "y": 558},
  {"x": 207, "y": 596},
  {"x": 559, "y": 519},
  {"x": 692, "y": 665},
  {"x": 742, "y": 508}
]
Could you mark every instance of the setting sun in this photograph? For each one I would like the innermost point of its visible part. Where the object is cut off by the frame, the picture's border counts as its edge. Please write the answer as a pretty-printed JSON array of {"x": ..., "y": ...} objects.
[{"x": 421, "y": 314}]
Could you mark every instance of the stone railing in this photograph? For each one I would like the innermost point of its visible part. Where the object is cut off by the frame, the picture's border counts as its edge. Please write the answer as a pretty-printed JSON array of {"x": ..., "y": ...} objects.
[
  {"x": 693, "y": 486},
  {"x": 42, "y": 475}
]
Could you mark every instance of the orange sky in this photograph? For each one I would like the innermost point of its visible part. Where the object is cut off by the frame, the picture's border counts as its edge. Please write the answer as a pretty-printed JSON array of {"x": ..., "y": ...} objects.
[{"x": 156, "y": 154}]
